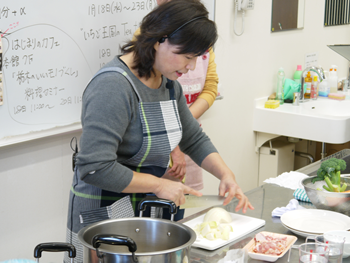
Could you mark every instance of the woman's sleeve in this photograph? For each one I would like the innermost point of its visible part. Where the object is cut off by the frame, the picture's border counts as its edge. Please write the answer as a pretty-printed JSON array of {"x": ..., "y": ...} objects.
[
  {"x": 106, "y": 113},
  {"x": 210, "y": 89}
]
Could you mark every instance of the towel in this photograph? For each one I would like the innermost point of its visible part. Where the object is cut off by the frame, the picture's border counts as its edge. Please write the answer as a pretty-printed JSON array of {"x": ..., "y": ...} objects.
[
  {"x": 301, "y": 195},
  {"x": 290, "y": 180},
  {"x": 292, "y": 205},
  {"x": 235, "y": 256}
]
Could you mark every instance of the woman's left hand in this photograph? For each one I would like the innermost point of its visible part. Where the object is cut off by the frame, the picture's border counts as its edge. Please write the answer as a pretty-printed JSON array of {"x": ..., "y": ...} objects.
[
  {"x": 215, "y": 165},
  {"x": 229, "y": 185}
]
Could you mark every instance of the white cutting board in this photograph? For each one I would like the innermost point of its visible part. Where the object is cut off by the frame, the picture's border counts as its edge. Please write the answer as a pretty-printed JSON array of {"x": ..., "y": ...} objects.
[{"x": 241, "y": 224}]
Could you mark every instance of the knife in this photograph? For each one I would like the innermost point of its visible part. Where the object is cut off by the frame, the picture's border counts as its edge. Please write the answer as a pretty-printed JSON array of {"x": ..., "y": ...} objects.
[{"x": 204, "y": 200}]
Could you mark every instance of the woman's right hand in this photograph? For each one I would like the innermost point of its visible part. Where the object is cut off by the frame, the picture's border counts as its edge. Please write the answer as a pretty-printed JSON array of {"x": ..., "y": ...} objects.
[
  {"x": 162, "y": 188},
  {"x": 174, "y": 191},
  {"x": 178, "y": 168}
]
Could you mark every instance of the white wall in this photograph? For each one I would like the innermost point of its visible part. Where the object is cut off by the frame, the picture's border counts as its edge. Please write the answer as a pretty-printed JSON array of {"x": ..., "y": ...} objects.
[
  {"x": 247, "y": 67},
  {"x": 35, "y": 177}
]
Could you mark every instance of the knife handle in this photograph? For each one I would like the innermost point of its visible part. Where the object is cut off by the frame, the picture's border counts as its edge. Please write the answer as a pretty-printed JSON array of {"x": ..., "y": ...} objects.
[{"x": 157, "y": 202}]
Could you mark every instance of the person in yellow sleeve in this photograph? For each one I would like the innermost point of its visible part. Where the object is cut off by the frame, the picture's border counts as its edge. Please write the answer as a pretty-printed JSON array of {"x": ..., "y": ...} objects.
[{"x": 200, "y": 89}]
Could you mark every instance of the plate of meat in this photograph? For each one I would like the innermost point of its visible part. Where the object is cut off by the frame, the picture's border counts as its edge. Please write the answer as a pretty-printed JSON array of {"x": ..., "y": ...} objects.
[{"x": 269, "y": 246}]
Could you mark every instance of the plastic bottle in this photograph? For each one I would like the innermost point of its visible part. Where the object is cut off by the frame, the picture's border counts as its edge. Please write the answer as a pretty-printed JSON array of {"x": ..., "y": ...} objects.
[
  {"x": 280, "y": 84},
  {"x": 323, "y": 87},
  {"x": 297, "y": 74},
  {"x": 307, "y": 85},
  {"x": 333, "y": 79},
  {"x": 314, "y": 85}
]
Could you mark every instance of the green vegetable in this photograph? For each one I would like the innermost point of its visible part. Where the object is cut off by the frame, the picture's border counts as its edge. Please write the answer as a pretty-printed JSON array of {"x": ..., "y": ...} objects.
[{"x": 330, "y": 172}]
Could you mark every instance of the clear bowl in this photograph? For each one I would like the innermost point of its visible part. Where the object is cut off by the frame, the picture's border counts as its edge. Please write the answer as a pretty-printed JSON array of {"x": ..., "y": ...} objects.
[{"x": 322, "y": 199}]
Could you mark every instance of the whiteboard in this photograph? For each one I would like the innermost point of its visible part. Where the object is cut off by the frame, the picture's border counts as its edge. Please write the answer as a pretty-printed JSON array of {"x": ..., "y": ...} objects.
[{"x": 51, "y": 49}]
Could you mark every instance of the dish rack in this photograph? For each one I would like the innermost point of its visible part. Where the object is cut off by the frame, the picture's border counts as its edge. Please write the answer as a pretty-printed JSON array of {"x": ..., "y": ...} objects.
[{"x": 312, "y": 168}]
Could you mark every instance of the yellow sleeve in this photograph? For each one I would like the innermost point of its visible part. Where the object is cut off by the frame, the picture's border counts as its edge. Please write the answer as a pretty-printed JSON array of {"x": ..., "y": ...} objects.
[
  {"x": 137, "y": 32},
  {"x": 210, "y": 89}
]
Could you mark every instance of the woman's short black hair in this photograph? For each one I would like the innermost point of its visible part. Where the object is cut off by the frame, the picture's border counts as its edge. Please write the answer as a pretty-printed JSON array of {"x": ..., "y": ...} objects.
[{"x": 194, "y": 38}]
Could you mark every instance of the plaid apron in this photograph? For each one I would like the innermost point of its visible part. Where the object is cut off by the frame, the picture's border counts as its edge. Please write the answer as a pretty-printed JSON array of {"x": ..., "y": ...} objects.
[{"x": 162, "y": 131}]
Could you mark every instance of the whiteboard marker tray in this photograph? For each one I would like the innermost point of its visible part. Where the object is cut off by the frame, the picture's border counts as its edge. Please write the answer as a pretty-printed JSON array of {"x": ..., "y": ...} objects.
[{"x": 241, "y": 224}]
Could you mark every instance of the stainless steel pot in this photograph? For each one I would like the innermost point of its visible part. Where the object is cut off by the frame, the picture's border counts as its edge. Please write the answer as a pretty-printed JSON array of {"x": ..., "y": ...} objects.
[
  {"x": 137, "y": 240},
  {"x": 54, "y": 247},
  {"x": 337, "y": 202}
]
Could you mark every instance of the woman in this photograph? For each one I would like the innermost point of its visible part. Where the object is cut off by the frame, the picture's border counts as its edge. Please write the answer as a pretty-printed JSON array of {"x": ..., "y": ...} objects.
[
  {"x": 134, "y": 114},
  {"x": 200, "y": 89}
]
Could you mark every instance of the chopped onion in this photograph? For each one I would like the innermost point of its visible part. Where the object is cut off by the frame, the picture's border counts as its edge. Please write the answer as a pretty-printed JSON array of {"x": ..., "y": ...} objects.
[
  {"x": 219, "y": 215},
  {"x": 215, "y": 225}
]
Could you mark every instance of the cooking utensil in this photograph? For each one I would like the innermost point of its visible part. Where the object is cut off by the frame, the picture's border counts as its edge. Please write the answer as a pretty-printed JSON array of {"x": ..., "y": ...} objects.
[
  {"x": 54, "y": 247},
  {"x": 337, "y": 202},
  {"x": 335, "y": 244},
  {"x": 306, "y": 222},
  {"x": 51, "y": 247},
  {"x": 204, "y": 200},
  {"x": 346, "y": 235},
  {"x": 313, "y": 252},
  {"x": 138, "y": 239}
]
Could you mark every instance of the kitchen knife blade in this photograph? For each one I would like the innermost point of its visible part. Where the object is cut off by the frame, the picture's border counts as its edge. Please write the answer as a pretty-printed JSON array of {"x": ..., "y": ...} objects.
[{"x": 200, "y": 201}]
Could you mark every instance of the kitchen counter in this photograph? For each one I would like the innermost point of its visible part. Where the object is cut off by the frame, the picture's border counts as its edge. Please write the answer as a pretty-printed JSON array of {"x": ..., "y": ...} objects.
[{"x": 264, "y": 198}]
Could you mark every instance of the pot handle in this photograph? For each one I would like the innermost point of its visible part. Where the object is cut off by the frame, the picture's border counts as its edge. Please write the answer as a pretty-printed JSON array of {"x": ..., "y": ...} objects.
[
  {"x": 54, "y": 247},
  {"x": 157, "y": 202},
  {"x": 118, "y": 240}
]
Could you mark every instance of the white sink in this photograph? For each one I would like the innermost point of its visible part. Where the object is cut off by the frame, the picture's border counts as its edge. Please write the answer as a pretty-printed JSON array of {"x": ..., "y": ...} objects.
[
  {"x": 328, "y": 107},
  {"x": 323, "y": 120}
]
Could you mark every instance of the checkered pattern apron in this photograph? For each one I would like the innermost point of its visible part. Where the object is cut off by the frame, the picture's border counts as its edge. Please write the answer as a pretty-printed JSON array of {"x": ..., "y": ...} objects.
[{"x": 162, "y": 132}]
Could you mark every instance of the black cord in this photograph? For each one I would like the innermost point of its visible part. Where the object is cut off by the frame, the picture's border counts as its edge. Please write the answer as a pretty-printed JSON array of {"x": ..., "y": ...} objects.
[
  {"x": 76, "y": 144},
  {"x": 162, "y": 40},
  {"x": 75, "y": 150}
]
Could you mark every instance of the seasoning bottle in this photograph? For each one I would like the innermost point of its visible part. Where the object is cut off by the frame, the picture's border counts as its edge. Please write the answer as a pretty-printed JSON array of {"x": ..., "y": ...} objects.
[
  {"x": 333, "y": 79},
  {"x": 314, "y": 86},
  {"x": 308, "y": 81},
  {"x": 280, "y": 84}
]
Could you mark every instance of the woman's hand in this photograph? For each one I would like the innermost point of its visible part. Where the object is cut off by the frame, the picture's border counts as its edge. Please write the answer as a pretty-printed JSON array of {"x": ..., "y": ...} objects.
[
  {"x": 178, "y": 169},
  {"x": 162, "y": 188},
  {"x": 215, "y": 165},
  {"x": 229, "y": 185},
  {"x": 174, "y": 191}
]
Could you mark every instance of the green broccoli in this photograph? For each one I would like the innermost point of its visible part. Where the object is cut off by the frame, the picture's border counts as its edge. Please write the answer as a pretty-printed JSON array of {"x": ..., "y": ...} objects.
[{"x": 330, "y": 172}]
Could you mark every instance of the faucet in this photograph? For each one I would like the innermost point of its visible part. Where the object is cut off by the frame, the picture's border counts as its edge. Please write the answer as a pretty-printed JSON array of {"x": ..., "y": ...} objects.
[{"x": 319, "y": 72}]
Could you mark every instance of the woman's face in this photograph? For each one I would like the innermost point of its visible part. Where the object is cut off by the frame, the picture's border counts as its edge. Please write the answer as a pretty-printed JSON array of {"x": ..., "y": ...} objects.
[{"x": 170, "y": 64}]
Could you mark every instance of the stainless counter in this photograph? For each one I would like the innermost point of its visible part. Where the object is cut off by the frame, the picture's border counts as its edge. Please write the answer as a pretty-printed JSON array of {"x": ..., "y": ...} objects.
[{"x": 264, "y": 199}]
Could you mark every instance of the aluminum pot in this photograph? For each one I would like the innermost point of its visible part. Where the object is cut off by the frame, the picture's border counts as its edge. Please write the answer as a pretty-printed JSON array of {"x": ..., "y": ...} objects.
[{"x": 137, "y": 239}]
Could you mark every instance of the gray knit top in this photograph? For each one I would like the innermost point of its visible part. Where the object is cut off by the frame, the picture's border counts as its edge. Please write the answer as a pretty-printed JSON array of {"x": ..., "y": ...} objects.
[{"x": 112, "y": 130}]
